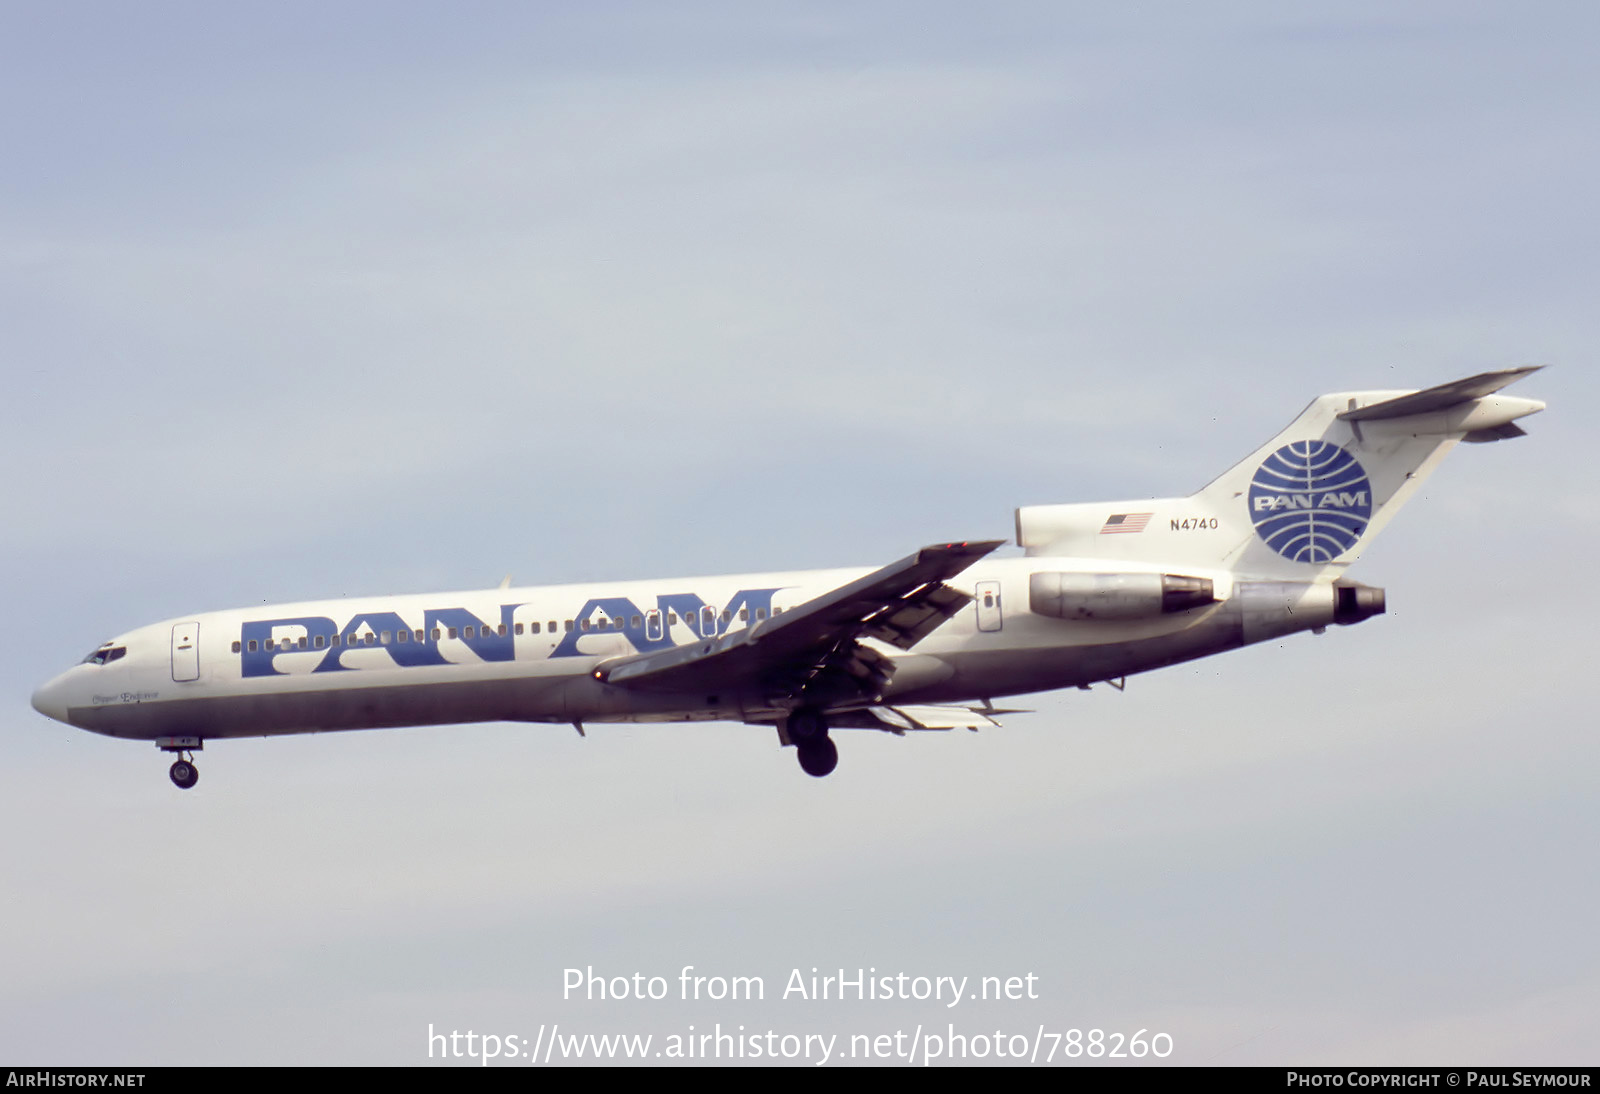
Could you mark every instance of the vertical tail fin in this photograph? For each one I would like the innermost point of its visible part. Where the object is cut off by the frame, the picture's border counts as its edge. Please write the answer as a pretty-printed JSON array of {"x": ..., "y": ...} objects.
[{"x": 1306, "y": 503}]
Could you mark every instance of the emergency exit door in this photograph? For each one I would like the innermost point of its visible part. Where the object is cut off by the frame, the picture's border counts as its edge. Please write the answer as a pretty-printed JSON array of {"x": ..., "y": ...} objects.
[{"x": 989, "y": 616}]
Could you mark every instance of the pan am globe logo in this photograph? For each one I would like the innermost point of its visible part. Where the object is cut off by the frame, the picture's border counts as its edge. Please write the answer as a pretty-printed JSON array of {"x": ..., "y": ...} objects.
[{"x": 1310, "y": 501}]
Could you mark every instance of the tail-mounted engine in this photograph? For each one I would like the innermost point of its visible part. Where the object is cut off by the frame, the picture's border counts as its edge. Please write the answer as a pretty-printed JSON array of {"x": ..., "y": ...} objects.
[
  {"x": 1116, "y": 596},
  {"x": 1353, "y": 602}
]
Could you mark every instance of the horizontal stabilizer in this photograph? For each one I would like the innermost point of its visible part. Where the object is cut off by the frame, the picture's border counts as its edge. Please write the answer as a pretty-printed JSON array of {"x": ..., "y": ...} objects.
[{"x": 1442, "y": 397}]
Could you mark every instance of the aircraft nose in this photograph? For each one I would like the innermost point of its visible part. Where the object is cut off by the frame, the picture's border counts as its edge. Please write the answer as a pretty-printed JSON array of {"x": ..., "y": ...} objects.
[{"x": 51, "y": 699}]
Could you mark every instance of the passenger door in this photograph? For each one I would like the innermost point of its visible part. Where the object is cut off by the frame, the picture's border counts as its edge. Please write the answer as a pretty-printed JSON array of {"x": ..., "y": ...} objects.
[{"x": 186, "y": 652}]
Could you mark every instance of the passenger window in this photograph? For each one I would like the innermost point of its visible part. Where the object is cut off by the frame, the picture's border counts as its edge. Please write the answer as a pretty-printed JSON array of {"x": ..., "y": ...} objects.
[
  {"x": 585, "y": 624},
  {"x": 761, "y": 613},
  {"x": 637, "y": 621},
  {"x": 371, "y": 638},
  {"x": 436, "y": 634},
  {"x": 451, "y": 632},
  {"x": 501, "y": 630},
  {"x": 569, "y": 626},
  {"x": 726, "y": 615},
  {"x": 553, "y": 626},
  {"x": 533, "y": 628},
  {"x": 336, "y": 640},
  {"x": 468, "y": 632},
  {"x": 236, "y": 647},
  {"x": 402, "y": 636},
  {"x": 252, "y": 645},
  {"x": 385, "y": 638},
  {"x": 518, "y": 629},
  {"x": 744, "y": 615},
  {"x": 319, "y": 642},
  {"x": 301, "y": 642},
  {"x": 618, "y": 622},
  {"x": 672, "y": 619}
]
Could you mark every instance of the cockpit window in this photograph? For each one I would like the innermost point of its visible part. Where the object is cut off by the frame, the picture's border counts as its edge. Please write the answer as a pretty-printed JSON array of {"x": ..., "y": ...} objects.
[{"x": 106, "y": 654}]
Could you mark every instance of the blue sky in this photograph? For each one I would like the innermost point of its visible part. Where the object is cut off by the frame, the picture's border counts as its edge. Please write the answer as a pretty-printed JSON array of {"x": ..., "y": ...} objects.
[{"x": 318, "y": 300}]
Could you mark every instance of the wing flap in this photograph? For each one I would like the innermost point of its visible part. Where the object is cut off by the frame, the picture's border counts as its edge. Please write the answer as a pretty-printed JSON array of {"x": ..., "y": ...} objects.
[
  {"x": 932, "y": 717},
  {"x": 915, "y": 616},
  {"x": 901, "y": 720},
  {"x": 901, "y": 603}
]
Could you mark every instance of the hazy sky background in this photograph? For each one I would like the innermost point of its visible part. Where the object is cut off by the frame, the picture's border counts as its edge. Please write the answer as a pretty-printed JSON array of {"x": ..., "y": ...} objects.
[{"x": 324, "y": 299}]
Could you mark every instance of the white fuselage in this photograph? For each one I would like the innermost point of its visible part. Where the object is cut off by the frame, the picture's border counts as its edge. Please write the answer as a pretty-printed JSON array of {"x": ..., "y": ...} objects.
[{"x": 529, "y": 654}]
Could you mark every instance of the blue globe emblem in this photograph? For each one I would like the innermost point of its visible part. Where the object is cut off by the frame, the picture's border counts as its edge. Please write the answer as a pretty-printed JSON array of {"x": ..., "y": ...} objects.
[{"x": 1310, "y": 501}]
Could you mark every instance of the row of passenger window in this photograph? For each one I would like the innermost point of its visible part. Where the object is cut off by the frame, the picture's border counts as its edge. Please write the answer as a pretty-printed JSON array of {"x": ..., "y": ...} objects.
[{"x": 384, "y": 638}]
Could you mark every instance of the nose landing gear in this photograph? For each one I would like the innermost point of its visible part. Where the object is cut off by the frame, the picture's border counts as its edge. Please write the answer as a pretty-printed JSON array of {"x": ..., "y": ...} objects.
[{"x": 183, "y": 772}]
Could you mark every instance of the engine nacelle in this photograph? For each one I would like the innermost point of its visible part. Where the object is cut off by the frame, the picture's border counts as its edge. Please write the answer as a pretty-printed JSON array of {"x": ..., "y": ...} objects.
[
  {"x": 1353, "y": 602},
  {"x": 1116, "y": 596},
  {"x": 1270, "y": 609}
]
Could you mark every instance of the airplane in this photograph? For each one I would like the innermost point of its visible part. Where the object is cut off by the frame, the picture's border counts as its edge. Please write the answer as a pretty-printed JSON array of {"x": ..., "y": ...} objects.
[{"x": 1102, "y": 590}]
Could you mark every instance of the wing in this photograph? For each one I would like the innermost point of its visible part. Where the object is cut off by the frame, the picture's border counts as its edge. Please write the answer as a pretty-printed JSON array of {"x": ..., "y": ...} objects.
[{"x": 812, "y": 653}]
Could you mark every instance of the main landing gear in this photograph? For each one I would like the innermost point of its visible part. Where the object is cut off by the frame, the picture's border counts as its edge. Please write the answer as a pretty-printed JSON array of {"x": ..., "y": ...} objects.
[
  {"x": 808, "y": 729},
  {"x": 183, "y": 772}
]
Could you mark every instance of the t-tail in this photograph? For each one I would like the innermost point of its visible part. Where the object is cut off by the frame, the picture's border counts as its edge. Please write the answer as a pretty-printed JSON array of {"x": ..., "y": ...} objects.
[{"x": 1304, "y": 505}]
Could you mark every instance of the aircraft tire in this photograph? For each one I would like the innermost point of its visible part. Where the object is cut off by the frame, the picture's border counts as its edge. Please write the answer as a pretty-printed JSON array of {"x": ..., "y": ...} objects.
[
  {"x": 806, "y": 725},
  {"x": 818, "y": 758},
  {"x": 184, "y": 774}
]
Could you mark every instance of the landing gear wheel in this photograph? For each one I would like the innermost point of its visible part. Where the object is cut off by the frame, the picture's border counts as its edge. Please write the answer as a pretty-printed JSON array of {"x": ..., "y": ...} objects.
[
  {"x": 819, "y": 757},
  {"x": 184, "y": 774},
  {"x": 806, "y": 725}
]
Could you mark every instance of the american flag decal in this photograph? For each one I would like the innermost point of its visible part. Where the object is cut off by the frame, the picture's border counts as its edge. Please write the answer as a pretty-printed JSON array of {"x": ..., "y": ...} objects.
[{"x": 1125, "y": 522}]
